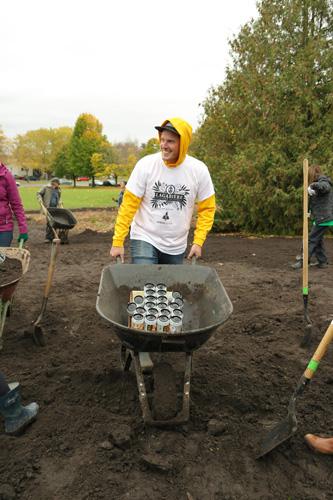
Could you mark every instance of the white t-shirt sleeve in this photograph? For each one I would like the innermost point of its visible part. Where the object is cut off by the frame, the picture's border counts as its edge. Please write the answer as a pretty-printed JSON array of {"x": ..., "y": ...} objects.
[
  {"x": 136, "y": 184},
  {"x": 205, "y": 188}
]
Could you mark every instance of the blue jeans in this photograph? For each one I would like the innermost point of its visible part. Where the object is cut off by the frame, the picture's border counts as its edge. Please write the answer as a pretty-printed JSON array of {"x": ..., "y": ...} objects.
[
  {"x": 6, "y": 238},
  {"x": 145, "y": 253}
]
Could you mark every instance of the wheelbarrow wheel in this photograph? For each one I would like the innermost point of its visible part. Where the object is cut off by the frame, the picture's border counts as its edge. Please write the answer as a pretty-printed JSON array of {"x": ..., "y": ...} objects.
[
  {"x": 125, "y": 358},
  {"x": 165, "y": 392}
]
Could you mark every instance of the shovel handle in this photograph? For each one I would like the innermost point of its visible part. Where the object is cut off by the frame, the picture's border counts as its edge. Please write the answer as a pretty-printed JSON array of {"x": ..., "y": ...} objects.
[
  {"x": 54, "y": 252},
  {"x": 305, "y": 227},
  {"x": 320, "y": 352}
]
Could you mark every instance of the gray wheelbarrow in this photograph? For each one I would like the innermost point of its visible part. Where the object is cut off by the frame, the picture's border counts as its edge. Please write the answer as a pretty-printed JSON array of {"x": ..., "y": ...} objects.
[{"x": 207, "y": 306}]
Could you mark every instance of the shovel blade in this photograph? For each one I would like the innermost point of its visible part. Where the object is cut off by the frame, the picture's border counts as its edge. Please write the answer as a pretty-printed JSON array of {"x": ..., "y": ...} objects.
[
  {"x": 306, "y": 340},
  {"x": 278, "y": 435},
  {"x": 38, "y": 335}
]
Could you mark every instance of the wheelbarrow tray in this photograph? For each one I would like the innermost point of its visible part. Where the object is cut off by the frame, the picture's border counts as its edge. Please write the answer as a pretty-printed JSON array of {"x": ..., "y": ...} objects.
[
  {"x": 61, "y": 218},
  {"x": 206, "y": 307},
  {"x": 21, "y": 254}
]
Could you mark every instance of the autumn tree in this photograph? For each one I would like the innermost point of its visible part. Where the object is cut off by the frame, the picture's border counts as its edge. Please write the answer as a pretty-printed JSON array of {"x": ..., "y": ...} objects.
[
  {"x": 149, "y": 148},
  {"x": 6, "y": 146},
  {"x": 273, "y": 109},
  {"x": 87, "y": 140},
  {"x": 37, "y": 149}
]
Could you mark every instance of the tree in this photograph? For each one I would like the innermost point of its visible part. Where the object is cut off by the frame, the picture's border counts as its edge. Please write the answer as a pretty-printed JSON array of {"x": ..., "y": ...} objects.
[
  {"x": 151, "y": 147},
  {"x": 87, "y": 140},
  {"x": 37, "y": 149},
  {"x": 6, "y": 147},
  {"x": 273, "y": 109}
]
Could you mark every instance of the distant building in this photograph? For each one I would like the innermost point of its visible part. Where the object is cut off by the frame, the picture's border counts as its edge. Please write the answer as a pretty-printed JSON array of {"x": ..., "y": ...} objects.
[{"x": 19, "y": 171}]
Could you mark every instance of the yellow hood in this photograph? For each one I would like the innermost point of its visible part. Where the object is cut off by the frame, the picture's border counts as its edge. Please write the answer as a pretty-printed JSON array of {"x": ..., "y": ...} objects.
[{"x": 184, "y": 129}]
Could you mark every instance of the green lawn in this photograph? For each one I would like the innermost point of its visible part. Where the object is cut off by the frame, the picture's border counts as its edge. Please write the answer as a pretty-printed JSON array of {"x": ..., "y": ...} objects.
[{"x": 80, "y": 197}]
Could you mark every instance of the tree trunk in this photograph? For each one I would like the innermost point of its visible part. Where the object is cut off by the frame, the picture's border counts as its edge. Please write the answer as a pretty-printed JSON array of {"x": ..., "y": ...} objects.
[{"x": 74, "y": 180}]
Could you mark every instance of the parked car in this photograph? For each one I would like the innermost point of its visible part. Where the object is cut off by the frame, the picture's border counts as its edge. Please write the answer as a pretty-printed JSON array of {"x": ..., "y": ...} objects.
[
  {"x": 33, "y": 178},
  {"x": 66, "y": 182},
  {"x": 98, "y": 182},
  {"x": 83, "y": 178},
  {"x": 110, "y": 182}
]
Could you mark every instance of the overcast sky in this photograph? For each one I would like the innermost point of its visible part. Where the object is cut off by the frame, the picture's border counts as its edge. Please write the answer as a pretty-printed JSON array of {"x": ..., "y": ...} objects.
[{"x": 130, "y": 63}]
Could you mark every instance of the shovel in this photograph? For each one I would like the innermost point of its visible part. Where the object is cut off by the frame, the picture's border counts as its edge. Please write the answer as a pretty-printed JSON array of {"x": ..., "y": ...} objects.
[
  {"x": 287, "y": 427},
  {"x": 308, "y": 324},
  {"x": 36, "y": 330}
]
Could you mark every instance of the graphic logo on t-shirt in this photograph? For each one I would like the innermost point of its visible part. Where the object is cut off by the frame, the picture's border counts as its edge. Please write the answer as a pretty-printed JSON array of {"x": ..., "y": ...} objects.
[{"x": 168, "y": 194}]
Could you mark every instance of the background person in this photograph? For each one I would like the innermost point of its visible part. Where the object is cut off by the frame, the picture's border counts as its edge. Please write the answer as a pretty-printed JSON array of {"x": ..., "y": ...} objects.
[
  {"x": 160, "y": 198},
  {"x": 10, "y": 203},
  {"x": 121, "y": 193},
  {"x": 321, "y": 207},
  {"x": 50, "y": 196},
  {"x": 16, "y": 416}
]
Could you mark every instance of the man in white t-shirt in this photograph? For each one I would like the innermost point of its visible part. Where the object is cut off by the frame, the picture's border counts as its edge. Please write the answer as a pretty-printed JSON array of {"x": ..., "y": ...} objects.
[{"x": 159, "y": 200}]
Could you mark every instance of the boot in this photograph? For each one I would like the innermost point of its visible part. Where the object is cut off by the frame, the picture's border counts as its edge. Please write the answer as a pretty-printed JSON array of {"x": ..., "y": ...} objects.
[
  {"x": 17, "y": 417},
  {"x": 319, "y": 444},
  {"x": 298, "y": 264}
]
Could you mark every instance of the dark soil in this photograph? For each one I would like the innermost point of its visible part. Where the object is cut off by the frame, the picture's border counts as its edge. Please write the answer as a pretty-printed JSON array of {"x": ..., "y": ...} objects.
[
  {"x": 89, "y": 441},
  {"x": 10, "y": 270}
]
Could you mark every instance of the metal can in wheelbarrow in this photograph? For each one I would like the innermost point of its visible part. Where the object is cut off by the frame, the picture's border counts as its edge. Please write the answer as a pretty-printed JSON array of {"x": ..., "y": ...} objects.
[
  {"x": 131, "y": 308},
  {"x": 149, "y": 287},
  {"x": 162, "y": 324},
  {"x": 139, "y": 300},
  {"x": 176, "y": 324},
  {"x": 150, "y": 323},
  {"x": 138, "y": 322},
  {"x": 176, "y": 295}
]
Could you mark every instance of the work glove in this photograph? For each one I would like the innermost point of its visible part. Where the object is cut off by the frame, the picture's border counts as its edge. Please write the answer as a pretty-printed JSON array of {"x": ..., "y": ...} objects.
[
  {"x": 22, "y": 236},
  {"x": 311, "y": 191}
]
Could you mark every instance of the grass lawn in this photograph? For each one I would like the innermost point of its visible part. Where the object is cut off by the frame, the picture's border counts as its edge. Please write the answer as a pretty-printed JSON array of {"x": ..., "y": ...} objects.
[{"x": 80, "y": 197}]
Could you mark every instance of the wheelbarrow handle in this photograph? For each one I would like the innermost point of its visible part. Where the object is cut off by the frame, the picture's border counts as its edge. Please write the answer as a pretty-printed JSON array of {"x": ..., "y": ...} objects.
[{"x": 319, "y": 354}]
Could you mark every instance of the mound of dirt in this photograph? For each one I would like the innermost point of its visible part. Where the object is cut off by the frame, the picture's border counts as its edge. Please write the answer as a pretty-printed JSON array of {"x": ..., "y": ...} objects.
[
  {"x": 10, "y": 270},
  {"x": 89, "y": 441}
]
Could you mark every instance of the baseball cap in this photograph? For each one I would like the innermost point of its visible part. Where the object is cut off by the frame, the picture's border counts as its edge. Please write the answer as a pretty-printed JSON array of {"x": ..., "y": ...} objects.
[{"x": 168, "y": 127}]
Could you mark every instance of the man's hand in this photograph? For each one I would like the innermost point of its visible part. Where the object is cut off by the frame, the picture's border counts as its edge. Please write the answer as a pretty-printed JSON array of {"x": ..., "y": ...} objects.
[
  {"x": 117, "y": 252},
  {"x": 196, "y": 251}
]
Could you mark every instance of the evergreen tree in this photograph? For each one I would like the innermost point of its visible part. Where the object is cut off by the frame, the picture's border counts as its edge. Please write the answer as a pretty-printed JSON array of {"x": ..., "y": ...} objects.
[{"x": 273, "y": 109}]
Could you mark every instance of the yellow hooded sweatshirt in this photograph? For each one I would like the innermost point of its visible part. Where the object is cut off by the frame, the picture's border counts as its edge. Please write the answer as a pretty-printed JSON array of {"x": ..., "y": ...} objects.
[{"x": 131, "y": 203}]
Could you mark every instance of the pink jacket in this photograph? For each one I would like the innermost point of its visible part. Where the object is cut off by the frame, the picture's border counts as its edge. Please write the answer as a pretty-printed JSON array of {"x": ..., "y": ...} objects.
[{"x": 10, "y": 203}]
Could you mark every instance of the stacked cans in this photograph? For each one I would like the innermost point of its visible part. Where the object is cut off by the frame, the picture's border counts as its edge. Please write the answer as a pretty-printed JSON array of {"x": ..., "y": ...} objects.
[{"x": 156, "y": 310}]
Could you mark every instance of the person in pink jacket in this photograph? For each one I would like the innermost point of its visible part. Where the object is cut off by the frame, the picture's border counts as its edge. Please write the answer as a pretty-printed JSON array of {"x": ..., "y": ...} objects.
[{"x": 10, "y": 204}]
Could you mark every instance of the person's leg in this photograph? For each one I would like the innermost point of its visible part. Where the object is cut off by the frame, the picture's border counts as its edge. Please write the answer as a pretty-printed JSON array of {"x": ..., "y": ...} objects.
[
  {"x": 16, "y": 416},
  {"x": 49, "y": 232},
  {"x": 316, "y": 243},
  {"x": 6, "y": 238},
  {"x": 165, "y": 258},
  {"x": 4, "y": 388},
  {"x": 143, "y": 252}
]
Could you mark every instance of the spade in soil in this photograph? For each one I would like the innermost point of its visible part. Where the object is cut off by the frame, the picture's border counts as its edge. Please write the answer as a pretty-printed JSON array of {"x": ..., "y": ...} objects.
[{"x": 287, "y": 427}]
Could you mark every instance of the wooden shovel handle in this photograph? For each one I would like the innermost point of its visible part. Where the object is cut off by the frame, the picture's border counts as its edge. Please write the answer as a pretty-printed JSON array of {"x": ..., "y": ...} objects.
[
  {"x": 305, "y": 227},
  {"x": 320, "y": 352}
]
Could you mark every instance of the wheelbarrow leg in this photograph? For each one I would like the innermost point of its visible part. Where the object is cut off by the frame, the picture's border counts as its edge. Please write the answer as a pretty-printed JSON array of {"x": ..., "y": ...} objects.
[
  {"x": 183, "y": 415},
  {"x": 147, "y": 417}
]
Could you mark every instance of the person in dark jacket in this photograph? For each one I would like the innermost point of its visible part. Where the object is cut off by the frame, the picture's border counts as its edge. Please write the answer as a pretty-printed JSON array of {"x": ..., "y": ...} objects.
[
  {"x": 321, "y": 208},
  {"x": 50, "y": 197},
  {"x": 121, "y": 193},
  {"x": 16, "y": 416}
]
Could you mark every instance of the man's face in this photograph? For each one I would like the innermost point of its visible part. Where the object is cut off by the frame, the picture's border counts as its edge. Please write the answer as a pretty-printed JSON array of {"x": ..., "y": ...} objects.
[
  {"x": 169, "y": 144},
  {"x": 54, "y": 185}
]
